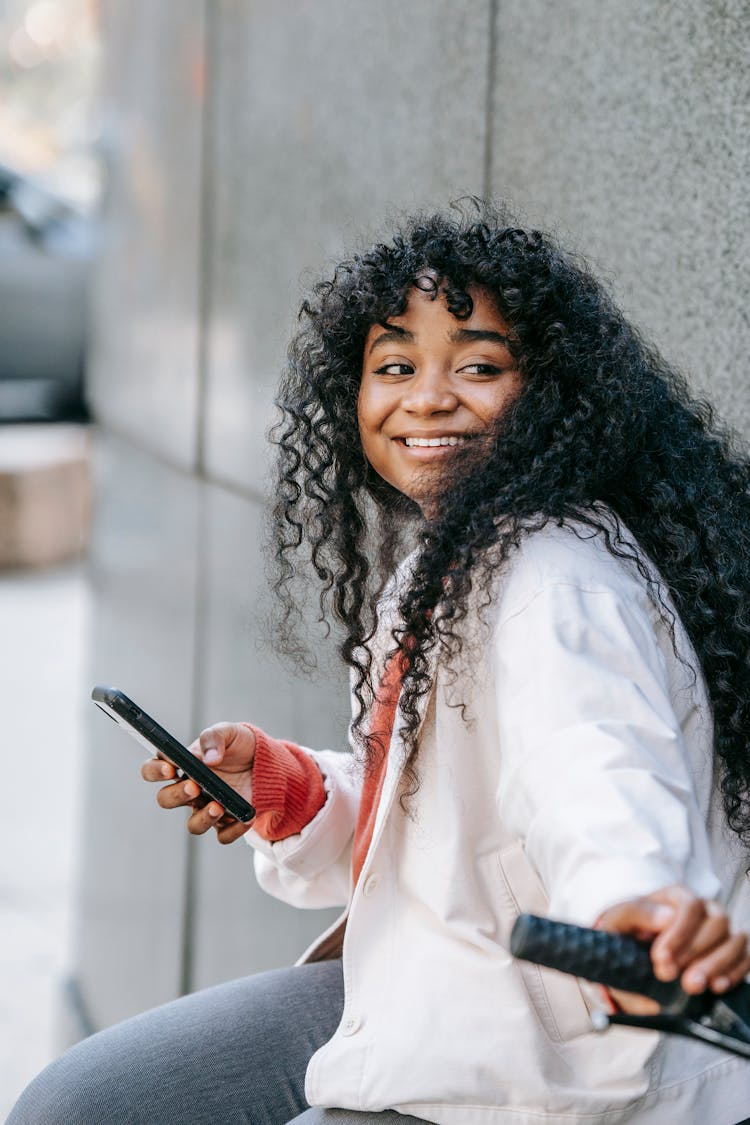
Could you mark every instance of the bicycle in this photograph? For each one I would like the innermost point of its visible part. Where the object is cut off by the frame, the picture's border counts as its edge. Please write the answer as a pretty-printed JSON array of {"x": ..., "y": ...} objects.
[{"x": 621, "y": 962}]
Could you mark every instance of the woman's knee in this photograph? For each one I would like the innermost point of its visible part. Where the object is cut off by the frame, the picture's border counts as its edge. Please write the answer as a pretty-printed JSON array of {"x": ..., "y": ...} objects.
[
  {"x": 126, "y": 1073},
  {"x": 79, "y": 1088},
  {"x": 239, "y": 1044}
]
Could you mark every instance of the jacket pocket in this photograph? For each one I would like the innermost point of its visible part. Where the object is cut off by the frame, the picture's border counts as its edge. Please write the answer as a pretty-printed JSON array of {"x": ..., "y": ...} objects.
[{"x": 557, "y": 998}]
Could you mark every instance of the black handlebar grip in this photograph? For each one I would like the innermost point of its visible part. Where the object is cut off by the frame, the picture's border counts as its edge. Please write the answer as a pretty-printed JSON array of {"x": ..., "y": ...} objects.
[{"x": 610, "y": 959}]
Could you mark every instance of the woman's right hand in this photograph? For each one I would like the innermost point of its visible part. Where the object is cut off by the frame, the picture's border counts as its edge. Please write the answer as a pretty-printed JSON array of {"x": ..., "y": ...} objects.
[{"x": 229, "y": 750}]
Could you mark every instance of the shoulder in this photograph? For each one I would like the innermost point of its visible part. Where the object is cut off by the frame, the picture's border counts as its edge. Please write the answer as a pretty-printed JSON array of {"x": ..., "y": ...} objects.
[{"x": 574, "y": 557}]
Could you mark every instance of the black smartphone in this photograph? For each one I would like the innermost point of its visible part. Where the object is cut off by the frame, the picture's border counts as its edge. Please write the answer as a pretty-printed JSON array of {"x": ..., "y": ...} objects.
[{"x": 158, "y": 741}]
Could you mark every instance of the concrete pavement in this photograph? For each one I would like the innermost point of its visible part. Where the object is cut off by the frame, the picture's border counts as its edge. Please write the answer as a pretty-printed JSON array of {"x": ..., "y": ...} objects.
[{"x": 43, "y": 696}]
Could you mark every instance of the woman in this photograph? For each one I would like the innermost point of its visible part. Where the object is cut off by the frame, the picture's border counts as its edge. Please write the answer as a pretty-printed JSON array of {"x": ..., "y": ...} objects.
[{"x": 551, "y": 704}]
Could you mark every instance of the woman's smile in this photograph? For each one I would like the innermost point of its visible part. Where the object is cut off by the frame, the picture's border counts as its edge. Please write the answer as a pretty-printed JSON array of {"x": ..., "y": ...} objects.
[
  {"x": 434, "y": 442},
  {"x": 432, "y": 384}
]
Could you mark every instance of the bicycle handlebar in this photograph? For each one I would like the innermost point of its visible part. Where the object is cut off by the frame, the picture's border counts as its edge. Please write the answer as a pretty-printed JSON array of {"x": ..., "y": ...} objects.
[
  {"x": 621, "y": 962},
  {"x": 614, "y": 960}
]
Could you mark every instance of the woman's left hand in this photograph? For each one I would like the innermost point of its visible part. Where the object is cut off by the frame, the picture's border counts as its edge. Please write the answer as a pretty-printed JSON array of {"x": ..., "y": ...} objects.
[{"x": 690, "y": 937}]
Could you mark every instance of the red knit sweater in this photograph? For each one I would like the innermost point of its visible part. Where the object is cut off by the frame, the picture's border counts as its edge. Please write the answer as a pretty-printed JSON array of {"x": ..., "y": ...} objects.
[{"x": 288, "y": 787}]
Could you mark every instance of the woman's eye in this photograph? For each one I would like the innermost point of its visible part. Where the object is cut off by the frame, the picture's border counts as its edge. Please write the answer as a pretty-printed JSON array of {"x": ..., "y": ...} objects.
[
  {"x": 395, "y": 369},
  {"x": 481, "y": 369}
]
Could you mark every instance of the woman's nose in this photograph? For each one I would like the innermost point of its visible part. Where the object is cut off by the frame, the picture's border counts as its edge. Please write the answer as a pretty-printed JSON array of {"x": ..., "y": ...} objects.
[{"x": 429, "y": 392}]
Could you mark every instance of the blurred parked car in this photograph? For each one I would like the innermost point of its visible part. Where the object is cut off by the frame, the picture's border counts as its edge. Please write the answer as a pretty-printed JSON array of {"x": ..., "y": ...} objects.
[{"x": 46, "y": 251}]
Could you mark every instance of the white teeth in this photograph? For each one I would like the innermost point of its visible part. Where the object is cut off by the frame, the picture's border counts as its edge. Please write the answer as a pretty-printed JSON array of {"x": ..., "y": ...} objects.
[{"x": 452, "y": 439}]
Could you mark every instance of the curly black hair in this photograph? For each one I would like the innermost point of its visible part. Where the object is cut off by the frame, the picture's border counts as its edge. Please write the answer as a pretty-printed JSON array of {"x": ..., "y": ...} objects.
[{"x": 602, "y": 425}]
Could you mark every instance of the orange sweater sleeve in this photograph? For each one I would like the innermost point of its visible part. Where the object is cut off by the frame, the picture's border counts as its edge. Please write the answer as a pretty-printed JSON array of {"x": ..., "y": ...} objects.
[{"x": 288, "y": 788}]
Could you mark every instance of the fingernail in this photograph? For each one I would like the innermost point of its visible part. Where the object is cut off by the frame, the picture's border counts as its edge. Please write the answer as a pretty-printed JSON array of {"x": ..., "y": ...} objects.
[
  {"x": 665, "y": 969},
  {"x": 697, "y": 980},
  {"x": 662, "y": 914},
  {"x": 166, "y": 771},
  {"x": 721, "y": 984},
  {"x": 214, "y": 810},
  {"x": 191, "y": 789},
  {"x": 211, "y": 756}
]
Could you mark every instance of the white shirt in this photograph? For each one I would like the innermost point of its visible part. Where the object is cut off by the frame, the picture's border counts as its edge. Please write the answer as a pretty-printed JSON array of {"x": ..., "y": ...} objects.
[{"x": 579, "y": 776}]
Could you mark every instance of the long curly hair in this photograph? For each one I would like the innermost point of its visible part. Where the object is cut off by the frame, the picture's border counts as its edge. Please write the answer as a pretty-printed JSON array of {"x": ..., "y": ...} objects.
[{"x": 602, "y": 425}]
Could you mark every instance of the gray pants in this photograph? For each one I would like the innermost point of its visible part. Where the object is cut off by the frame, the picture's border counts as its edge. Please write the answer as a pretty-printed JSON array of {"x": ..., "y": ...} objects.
[{"x": 234, "y": 1053}]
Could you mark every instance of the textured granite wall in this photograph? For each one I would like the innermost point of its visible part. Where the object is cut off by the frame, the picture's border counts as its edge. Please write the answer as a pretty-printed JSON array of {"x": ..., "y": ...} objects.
[
  {"x": 626, "y": 127},
  {"x": 248, "y": 141}
]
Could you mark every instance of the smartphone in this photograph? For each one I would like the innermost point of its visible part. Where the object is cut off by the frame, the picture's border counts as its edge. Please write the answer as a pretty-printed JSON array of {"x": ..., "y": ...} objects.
[{"x": 158, "y": 741}]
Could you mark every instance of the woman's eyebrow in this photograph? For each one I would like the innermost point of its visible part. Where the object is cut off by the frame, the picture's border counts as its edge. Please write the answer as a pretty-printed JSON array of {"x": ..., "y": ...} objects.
[
  {"x": 470, "y": 335},
  {"x": 392, "y": 335}
]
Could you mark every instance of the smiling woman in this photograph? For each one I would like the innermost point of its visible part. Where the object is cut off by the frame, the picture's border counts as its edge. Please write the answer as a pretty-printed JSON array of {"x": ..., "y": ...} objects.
[
  {"x": 550, "y": 700},
  {"x": 431, "y": 383}
]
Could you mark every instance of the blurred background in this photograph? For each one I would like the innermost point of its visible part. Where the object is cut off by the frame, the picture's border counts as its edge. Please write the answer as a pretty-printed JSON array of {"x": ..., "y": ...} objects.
[{"x": 169, "y": 175}]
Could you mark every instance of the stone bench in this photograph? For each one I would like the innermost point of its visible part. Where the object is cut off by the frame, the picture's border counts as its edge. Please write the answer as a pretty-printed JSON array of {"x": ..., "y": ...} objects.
[{"x": 45, "y": 494}]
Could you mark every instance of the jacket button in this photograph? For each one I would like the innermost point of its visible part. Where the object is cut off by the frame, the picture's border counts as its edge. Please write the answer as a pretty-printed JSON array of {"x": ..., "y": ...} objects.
[
  {"x": 351, "y": 1025},
  {"x": 370, "y": 884}
]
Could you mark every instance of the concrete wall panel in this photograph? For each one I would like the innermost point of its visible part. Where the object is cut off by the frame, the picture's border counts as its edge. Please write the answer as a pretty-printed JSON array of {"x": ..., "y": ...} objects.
[
  {"x": 143, "y": 372},
  {"x": 626, "y": 126},
  {"x": 236, "y": 928},
  {"x": 322, "y": 117},
  {"x": 132, "y": 855}
]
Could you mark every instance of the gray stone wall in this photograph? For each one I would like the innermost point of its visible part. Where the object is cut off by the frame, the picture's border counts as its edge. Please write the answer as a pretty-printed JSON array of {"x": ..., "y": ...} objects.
[
  {"x": 248, "y": 142},
  {"x": 626, "y": 127}
]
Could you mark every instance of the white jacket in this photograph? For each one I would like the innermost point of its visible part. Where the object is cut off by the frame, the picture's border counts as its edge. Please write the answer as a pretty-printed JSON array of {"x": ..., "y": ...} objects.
[{"x": 580, "y": 776}]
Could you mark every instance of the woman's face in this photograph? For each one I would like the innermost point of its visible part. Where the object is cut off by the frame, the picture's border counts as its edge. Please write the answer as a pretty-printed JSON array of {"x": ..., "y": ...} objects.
[{"x": 430, "y": 384}]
